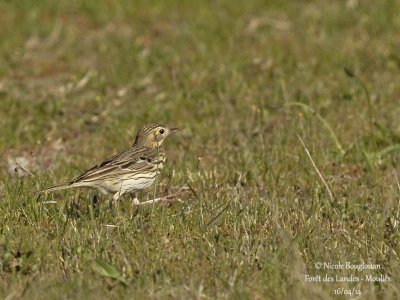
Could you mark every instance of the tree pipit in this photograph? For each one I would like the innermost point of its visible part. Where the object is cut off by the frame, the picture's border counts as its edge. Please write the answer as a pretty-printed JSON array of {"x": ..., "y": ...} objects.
[{"x": 129, "y": 171}]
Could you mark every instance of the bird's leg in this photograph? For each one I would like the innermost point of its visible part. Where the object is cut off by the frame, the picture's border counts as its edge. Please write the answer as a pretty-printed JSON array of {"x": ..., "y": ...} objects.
[
  {"x": 135, "y": 200},
  {"x": 116, "y": 197},
  {"x": 95, "y": 200}
]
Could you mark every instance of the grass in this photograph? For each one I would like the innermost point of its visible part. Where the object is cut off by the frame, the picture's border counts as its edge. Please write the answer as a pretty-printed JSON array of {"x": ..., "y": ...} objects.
[{"x": 245, "y": 81}]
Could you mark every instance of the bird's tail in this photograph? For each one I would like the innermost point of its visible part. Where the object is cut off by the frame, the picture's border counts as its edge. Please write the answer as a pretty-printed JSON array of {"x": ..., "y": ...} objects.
[{"x": 57, "y": 188}]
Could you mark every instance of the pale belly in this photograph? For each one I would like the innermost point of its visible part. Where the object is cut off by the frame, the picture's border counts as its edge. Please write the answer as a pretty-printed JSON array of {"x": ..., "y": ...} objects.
[{"x": 128, "y": 185}]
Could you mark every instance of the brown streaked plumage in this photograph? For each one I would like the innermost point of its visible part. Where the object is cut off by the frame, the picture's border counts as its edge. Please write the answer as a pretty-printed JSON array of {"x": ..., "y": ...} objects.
[{"x": 129, "y": 171}]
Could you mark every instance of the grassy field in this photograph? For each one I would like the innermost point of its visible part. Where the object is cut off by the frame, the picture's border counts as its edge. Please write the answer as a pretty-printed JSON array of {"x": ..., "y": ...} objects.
[{"x": 289, "y": 156}]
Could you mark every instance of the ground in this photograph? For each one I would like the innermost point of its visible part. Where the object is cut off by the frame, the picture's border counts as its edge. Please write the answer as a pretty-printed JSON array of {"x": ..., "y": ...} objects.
[{"x": 288, "y": 158}]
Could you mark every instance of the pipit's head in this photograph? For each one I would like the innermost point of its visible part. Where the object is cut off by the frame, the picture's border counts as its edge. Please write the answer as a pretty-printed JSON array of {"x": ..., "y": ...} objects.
[{"x": 153, "y": 135}]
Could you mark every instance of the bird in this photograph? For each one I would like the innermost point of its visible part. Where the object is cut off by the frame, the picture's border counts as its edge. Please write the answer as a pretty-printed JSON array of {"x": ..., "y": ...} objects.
[{"x": 128, "y": 171}]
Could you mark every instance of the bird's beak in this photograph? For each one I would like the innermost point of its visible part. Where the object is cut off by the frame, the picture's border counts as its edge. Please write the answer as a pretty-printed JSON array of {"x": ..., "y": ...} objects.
[{"x": 173, "y": 130}]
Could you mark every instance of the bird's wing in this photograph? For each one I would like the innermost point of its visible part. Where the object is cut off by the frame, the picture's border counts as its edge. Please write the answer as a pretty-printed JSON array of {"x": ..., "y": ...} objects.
[{"x": 137, "y": 159}]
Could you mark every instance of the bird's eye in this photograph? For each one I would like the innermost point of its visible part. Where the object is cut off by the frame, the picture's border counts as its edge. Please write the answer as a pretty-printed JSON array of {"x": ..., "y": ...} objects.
[{"x": 162, "y": 131}]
